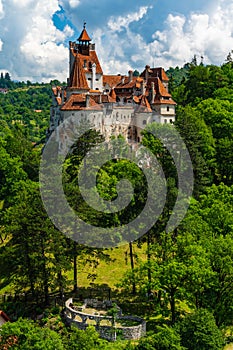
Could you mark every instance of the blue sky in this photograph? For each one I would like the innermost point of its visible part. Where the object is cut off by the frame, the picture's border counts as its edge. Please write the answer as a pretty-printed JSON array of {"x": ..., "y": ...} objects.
[{"x": 34, "y": 34}]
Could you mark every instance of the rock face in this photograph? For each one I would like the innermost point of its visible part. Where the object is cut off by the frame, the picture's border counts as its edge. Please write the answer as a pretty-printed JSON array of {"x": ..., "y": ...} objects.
[{"x": 75, "y": 315}]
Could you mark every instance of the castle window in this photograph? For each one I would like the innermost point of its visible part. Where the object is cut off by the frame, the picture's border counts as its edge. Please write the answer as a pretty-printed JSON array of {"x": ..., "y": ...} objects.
[
  {"x": 167, "y": 108},
  {"x": 171, "y": 121},
  {"x": 97, "y": 80},
  {"x": 144, "y": 122},
  {"x": 165, "y": 121}
]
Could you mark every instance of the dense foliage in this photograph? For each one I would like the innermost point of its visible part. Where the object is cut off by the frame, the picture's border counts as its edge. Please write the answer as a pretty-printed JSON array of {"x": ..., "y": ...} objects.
[{"x": 187, "y": 274}]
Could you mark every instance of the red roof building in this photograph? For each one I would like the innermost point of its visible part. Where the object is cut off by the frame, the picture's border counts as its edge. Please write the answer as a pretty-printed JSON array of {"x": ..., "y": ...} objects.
[{"x": 111, "y": 102}]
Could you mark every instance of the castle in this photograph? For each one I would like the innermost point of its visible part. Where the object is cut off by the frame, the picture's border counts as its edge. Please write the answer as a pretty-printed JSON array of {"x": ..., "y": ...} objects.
[{"x": 113, "y": 104}]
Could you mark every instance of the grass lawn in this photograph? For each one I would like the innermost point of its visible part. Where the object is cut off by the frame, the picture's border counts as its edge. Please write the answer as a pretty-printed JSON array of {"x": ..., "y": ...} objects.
[{"x": 111, "y": 272}]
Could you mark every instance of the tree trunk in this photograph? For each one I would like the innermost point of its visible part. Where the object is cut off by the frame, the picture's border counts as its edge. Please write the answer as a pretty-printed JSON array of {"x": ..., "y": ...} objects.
[
  {"x": 75, "y": 271},
  {"x": 148, "y": 262},
  {"x": 132, "y": 266}
]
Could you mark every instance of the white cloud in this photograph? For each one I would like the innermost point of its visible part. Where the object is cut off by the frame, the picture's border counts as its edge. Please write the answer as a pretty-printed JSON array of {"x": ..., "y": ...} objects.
[
  {"x": 203, "y": 34},
  {"x": 31, "y": 47},
  {"x": 1, "y": 10},
  {"x": 208, "y": 35},
  {"x": 34, "y": 48},
  {"x": 74, "y": 3},
  {"x": 121, "y": 22}
]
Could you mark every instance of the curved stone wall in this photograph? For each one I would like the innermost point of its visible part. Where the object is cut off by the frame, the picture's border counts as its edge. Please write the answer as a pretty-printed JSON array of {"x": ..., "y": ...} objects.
[{"x": 74, "y": 315}]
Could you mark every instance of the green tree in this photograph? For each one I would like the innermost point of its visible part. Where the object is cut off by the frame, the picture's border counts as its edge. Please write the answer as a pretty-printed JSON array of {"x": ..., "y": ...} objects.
[
  {"x": 200, "y": 143},
  {"x": 164, "y": 338},
  {"x": 210, "y": 221},
  {"x": 35, "y": 254},
  {"x": 84, "y": 340},
  {"x": 25, "y": 335},
  {"x": 198, "y": 331}
]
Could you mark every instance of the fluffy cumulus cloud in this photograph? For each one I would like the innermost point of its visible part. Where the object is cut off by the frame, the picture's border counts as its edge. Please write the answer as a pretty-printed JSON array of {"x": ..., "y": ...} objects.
[
  {"x": 32, "y": 47},
  {"x": 203, "y": 34},
  {"x": 207, "y": 34},
  {"x": 128, "y": 35}
]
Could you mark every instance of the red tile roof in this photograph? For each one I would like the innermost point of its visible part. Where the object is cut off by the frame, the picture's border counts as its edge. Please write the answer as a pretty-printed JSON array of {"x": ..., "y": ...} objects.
[
  {"x": 160, "y": 88},
  {"x": 164, "y": 102},
  {"x": 84, "y": 36},
  {"x": 113, "y": 94},
  {"x": 79, "y": 101},
  {"x": 156, "y": 72},
  {"x": 111, "y": 80},
  {"x": 89, "y": 60},
  {"x": 127, "y": 84},
  {"x": 77, "y": 77},
  {"x": 144, "y": 106}
]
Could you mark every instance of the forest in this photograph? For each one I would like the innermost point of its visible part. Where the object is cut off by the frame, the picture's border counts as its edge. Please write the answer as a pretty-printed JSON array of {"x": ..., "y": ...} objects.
[{"x": 180, "y": 282}]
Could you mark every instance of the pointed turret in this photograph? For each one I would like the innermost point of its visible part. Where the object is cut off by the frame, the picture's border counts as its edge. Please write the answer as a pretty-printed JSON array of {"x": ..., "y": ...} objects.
[{"x": 84, "y": 37}]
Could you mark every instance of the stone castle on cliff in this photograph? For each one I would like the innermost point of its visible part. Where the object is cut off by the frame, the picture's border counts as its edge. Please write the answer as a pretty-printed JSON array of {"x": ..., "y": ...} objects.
[{"x": 113, "y": 104}]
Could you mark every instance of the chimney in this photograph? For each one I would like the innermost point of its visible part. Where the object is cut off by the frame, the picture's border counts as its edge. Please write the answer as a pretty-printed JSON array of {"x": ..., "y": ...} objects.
[
  {"x": 143, "y": 87},
  {"x": 122, "y": 80},
  {"x": 147, "y": 71},
  {"x": 87, "y": 100},
  {"x": 62, "y": 95},
  {"x": 93, "y": 76},
  {"x": 130, "y": 75},
  {"x": 153, "y": 92}
]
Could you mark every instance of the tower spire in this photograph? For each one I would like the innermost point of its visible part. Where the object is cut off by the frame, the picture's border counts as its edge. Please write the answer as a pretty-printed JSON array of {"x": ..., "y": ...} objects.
[{"x": 84, "y": 37}]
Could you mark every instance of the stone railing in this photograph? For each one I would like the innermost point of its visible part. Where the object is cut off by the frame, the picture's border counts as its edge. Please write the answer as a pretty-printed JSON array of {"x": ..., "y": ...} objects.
[{"x": 75, "y": 315}]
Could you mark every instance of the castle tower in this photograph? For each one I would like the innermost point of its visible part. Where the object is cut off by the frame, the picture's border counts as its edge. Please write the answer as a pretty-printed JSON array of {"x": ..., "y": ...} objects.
[{"x": 85, "y": 73}]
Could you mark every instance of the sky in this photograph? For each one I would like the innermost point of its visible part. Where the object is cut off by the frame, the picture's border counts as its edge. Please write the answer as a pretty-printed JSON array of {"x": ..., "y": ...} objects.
[{"x": 35, "y": 34}]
